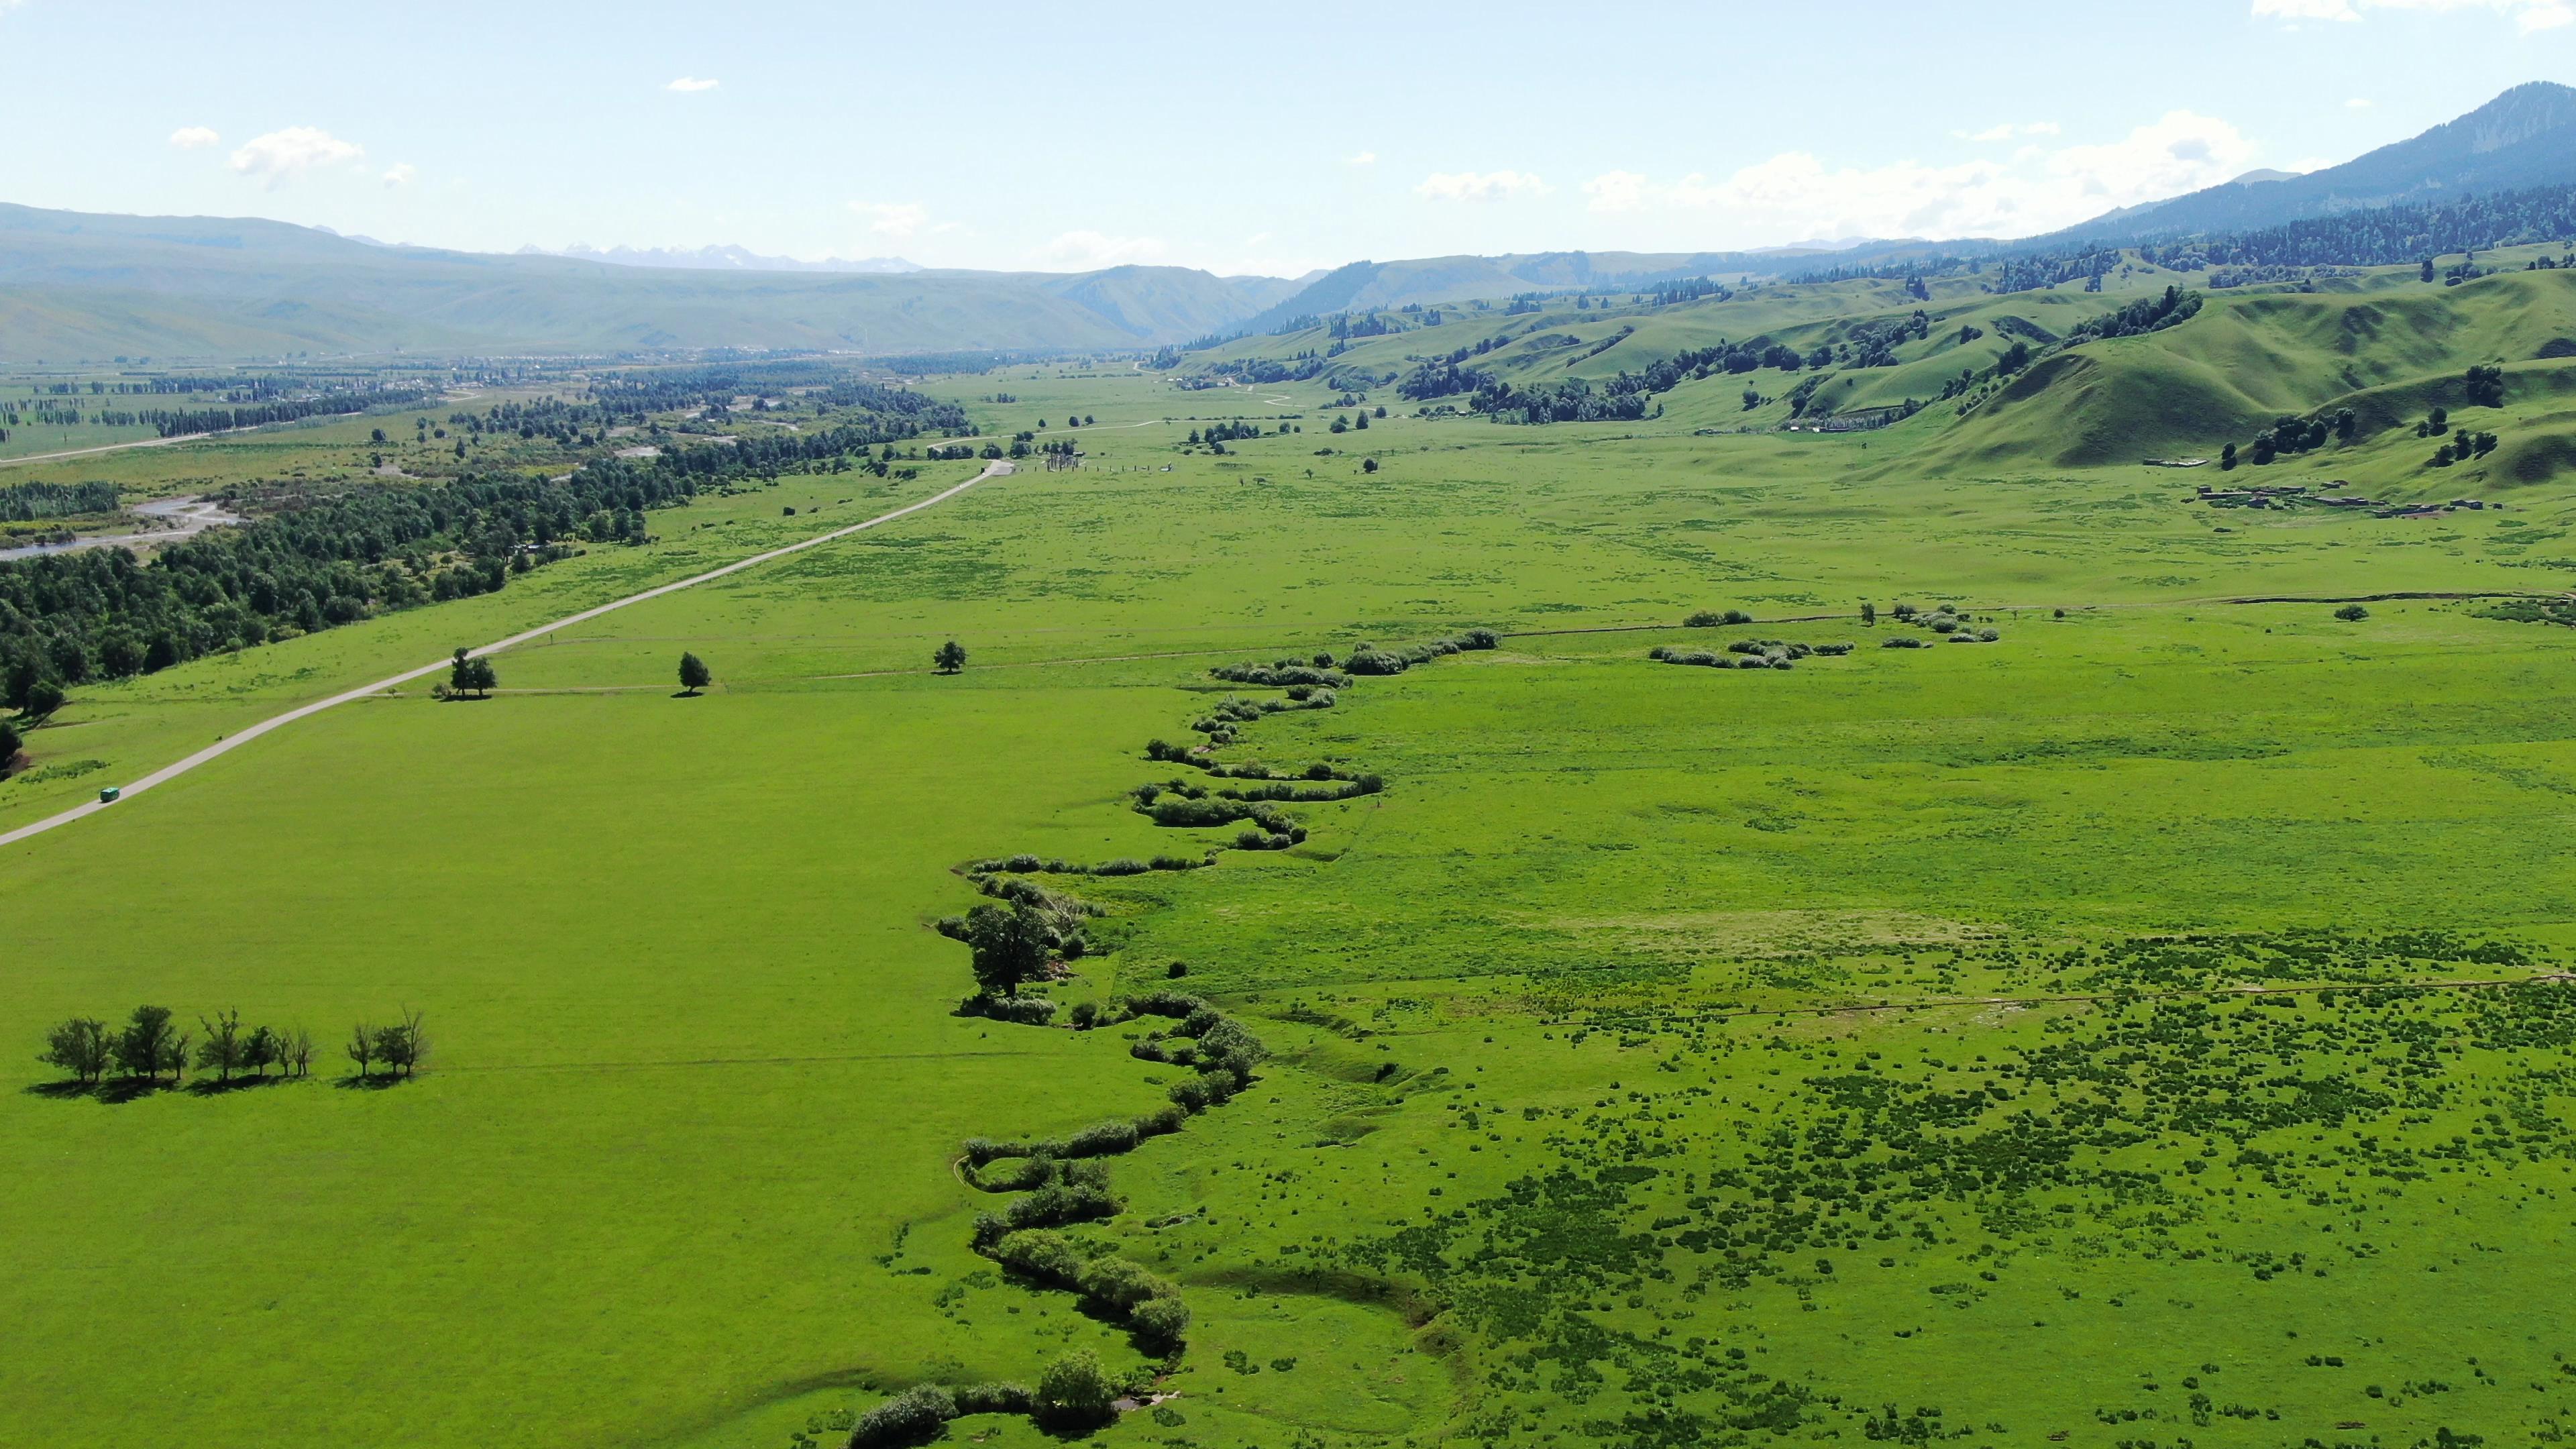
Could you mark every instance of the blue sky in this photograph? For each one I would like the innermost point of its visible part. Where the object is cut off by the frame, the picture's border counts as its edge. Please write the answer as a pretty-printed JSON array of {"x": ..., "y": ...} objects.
[{"x": 1269, "y": 138}]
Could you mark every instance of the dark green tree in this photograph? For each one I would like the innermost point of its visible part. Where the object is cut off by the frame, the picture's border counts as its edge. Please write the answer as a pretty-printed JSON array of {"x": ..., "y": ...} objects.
[
  {"x": 950, "y": 658},
  {"x": 694, "y": 674},
  {"x": 1075, "y": 1391},
  {"x": 80, "y": 1046},
  {"x": 148, "y": 1044},
  {"x": 11, "y": 742},
  {"x": 403, "y": 1046},
  {"x": 222, "y": 1048},
  {"x": 261, "y": 1050},
  {"x": 1012, "y": 945},
  {"x": 362, "y": 1048},
  {"x": 44, "y": 696}
]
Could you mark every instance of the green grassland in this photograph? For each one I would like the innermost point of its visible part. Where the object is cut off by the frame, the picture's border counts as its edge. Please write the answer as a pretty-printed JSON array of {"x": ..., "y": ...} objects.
[{"x": 1863, "y": 1051}]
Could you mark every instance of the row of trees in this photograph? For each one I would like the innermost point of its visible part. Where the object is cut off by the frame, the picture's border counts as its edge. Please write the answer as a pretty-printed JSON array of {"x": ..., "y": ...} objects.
[{"x": 151, "y": 1044}]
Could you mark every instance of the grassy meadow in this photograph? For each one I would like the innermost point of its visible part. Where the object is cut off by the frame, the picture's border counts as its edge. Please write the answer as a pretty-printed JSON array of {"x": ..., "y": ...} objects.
[{"x": 2137, "y": 1031}]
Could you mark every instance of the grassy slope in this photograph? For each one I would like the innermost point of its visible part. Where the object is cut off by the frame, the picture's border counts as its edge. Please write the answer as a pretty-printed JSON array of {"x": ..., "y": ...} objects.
[{"x": 2246, "y": 360}]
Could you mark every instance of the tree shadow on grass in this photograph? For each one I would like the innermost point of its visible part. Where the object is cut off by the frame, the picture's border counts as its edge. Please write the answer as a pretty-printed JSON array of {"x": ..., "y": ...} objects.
[
  {"x": 115, "y": 1091},
  {"x": 209, "y": 1087},
  {"x": 371, "y": 1082}
]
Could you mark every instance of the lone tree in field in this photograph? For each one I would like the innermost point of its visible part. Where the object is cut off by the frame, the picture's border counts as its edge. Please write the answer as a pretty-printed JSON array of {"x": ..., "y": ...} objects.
[
  {"x": 468, "y": 675},
  {"x": 1012, "y": 945},
  {"x": 80, "y": 1046},
  {"x": 694, "y": 674},
  {"x": 950, "y": 657}
]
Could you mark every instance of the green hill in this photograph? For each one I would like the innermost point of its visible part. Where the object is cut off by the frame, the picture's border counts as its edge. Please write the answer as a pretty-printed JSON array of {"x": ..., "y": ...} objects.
[{"x": 2245, "y": 361}]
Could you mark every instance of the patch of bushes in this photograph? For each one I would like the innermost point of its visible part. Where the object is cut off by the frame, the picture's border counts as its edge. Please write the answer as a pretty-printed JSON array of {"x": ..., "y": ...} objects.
[
  {"x": 1369, "y": 659},
  {"x": 1284, "y": 673},
  {"x": 1713, "y": 618},
  {"x": 1022, "y": 1010},
  {"x": 916, "y": 1416},
  {"x": 1749, "y": 654}
]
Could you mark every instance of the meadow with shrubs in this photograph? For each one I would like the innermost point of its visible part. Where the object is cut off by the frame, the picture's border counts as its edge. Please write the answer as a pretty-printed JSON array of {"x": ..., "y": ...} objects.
[{"x": 1317, "y": 978}]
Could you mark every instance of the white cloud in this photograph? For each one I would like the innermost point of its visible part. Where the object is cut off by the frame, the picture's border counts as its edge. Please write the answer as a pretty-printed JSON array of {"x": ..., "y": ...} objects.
[
  {"x": 1617, "y": 191},
  {"x": 893, "y": 218},
  {"x": 1365, "y": 158},
  {"x": 2527, "y": 15},
  {"x": 1084, "y": 251},
  {"x": 402, "y": 174},
  {"x": 2357, "y": 103},
  {"x": 188, "y": 138},
  {"x": 281, "y": 156},
  {"x": 691, "y": 85},
  {"x": 2039, "y": 189},
  {"x": 1480, "y": 185},
  {"x": 2008, "y": 130}
]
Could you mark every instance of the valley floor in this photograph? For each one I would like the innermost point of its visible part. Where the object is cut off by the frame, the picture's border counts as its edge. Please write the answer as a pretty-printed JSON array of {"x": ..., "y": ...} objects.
[{"x": 1867, "y": 1050}]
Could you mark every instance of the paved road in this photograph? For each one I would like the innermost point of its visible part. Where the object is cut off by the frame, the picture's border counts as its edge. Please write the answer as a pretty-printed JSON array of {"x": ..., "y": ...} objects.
[{"x": 993, "y": 469}]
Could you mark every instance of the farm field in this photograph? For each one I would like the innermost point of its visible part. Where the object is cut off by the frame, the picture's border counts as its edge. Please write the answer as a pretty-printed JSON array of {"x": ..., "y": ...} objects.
[{"x": 1666, "y": 1055}]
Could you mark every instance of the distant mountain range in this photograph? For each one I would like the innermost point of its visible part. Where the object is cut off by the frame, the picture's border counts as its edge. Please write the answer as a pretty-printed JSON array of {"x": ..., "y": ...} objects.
[
  {"x": 720, "y": 259},
  {"x": 2525, "y": 137},
  {"x": 79, "y": 287}
]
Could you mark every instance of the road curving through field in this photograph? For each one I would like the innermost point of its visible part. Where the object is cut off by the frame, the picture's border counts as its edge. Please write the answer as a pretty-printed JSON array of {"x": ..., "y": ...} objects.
[{"x": 994, "y": 469}]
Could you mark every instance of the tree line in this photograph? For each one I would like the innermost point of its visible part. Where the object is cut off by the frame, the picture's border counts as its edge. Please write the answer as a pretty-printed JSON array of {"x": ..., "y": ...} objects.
[
  {"x": 150, "y": 1044},
  {"x": 68, "y": 618},
  {"x": 27, "y": 502}
]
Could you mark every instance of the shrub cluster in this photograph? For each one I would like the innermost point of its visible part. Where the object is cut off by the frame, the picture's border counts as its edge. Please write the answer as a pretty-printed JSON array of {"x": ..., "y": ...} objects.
[
  {"x": 1285, "y": 673},
  {"x": 1058, "y": 865},
  {"x": 1222, "y": 724},
  {"x": 1712, "y": 618},
  {"x": 1184, "y": 806},
  {"x": 1021, "y": 1010},
  {"x": 1370, "y": 659},
  {"x": 921, "y": 1413},
  {"x": 1749, "y": 654},
  {"x": 1285, "y": 792},
  {"x": 1148, "y": 1304}
]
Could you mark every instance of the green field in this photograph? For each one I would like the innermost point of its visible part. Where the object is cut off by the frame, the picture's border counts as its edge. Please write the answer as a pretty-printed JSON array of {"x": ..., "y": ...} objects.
[{"x": 2141, "y": 1030}]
